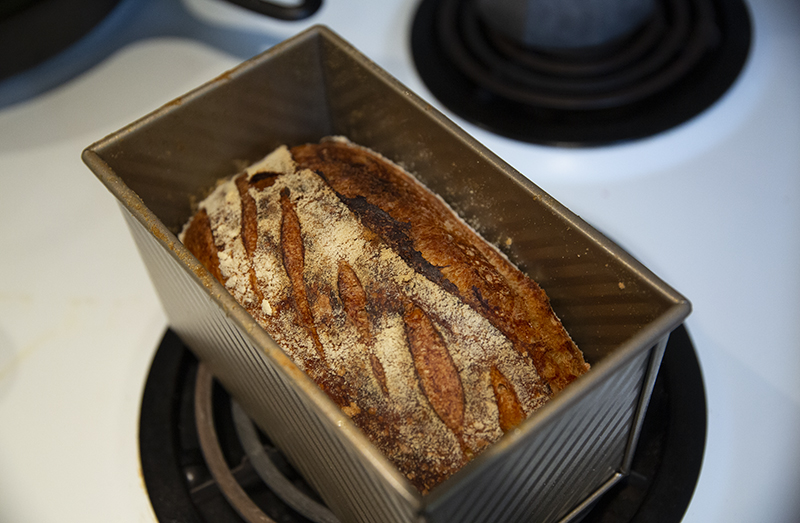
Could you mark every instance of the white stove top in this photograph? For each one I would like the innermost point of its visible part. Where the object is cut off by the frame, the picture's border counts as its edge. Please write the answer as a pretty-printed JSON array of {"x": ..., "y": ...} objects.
[{"x": 713, "y": 207}]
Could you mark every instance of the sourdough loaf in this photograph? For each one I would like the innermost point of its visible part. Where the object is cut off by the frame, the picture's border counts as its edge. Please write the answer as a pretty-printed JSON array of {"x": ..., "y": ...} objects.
[{"x": 423, "y": 333}]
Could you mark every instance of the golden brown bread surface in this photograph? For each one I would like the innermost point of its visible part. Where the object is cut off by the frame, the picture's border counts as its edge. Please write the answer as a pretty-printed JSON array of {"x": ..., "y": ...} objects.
[{"x": 424, "y": 334}]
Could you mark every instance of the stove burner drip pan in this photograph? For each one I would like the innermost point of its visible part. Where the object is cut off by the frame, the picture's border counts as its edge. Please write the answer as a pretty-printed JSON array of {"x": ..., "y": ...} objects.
[
  {"x": 677, "y": 64},
  {"x": 576, "y": 447},
  {"x": 203, "y": 459}
]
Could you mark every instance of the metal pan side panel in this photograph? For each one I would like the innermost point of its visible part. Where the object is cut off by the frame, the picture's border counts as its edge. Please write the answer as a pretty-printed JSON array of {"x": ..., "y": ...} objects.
[
  {"x": 552, "y": 468},
  {"x": 174, "y": 156},
  {"x": 348, "y": 483}
]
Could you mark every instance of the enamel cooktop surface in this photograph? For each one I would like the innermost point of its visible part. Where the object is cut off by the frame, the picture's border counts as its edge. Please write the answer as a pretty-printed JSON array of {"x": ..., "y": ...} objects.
[{"x": 712, "y": 206}]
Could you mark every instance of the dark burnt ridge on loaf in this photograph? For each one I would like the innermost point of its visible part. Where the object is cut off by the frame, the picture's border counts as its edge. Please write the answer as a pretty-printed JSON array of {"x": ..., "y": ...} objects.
[{"x": 396, "y": 235}]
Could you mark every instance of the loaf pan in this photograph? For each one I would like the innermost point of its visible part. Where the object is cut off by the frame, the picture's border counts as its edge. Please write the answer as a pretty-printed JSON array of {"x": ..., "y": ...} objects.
[{"x": 315, "y": 85}]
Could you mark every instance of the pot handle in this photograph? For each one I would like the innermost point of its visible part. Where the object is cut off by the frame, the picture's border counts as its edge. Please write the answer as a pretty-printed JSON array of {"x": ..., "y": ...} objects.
[{"x": 300, "y": 11}]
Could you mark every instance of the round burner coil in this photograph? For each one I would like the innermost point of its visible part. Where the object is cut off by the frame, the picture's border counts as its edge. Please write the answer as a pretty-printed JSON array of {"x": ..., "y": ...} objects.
[
  {"x": 204, "y": 460},
  {"x": 257, "y": 457},
  {"x": 675, "y": 66}
]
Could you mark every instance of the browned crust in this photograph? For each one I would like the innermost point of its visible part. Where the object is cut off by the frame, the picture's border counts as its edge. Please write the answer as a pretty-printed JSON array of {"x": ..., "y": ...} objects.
[
  {"x": 395, "y": 212},
  {"x": 436, "y": 370},
  {"x": 510, "y": 409},
  {"x": 294, "y": 262},
  {"x": 199, "y": 239},
  {"x": 354, "y": 301},
  {"x": 483, "y": 278},
  {"x": 249, "y": 228}
]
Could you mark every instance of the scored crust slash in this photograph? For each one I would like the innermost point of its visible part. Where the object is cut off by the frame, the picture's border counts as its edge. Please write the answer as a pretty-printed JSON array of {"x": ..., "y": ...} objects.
[{"x": 425, "y": 335}]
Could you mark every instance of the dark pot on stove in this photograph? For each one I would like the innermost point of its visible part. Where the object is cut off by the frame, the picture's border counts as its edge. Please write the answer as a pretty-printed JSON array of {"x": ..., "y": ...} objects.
[{"x": 31, "y": 31}]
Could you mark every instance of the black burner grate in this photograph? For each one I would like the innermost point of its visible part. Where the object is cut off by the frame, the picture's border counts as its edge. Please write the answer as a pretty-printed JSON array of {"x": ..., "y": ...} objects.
[
  {"x": 203, "y": 460},
  {"x": 679, "y": 63},
  {"x": 194, "y": 463}
]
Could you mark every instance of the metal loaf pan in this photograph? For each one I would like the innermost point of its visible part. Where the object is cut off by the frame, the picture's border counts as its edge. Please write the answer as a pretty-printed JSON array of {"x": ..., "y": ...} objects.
[{"x": 315, "y": 85}]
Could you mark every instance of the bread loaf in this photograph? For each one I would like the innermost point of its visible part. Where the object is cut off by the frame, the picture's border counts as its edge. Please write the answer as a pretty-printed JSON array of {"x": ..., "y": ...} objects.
[{"x": 423, "y": 333}]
